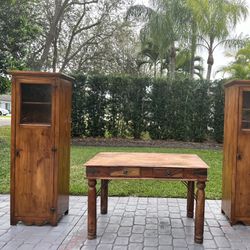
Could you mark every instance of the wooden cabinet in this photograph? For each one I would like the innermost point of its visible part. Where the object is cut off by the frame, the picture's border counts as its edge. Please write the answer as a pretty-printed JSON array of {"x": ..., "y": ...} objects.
[
  {"x": 40, "y": 146},
  {"x": 236, "y": 162}
]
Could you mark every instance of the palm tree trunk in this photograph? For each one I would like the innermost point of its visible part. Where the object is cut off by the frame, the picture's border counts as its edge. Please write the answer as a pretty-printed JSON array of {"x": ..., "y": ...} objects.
[
  {"x": 193, "y": 49},
  {"x": 210, "y": 62},
  {"x": 172, "y": 62},
  {"x": 210, "y": 59},
  {"x": 154, "y": 69}
]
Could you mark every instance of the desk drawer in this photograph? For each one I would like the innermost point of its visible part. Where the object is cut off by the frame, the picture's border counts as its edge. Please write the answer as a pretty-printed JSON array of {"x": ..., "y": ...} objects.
[
  {"x": 168, "y": 173},
  {"x": 125, "y": 172}
]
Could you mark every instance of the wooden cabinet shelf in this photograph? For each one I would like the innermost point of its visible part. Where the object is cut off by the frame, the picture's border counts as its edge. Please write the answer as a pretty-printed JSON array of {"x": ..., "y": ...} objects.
[
  {"x": 40, "y": 156},
  {"x": 235, "y": 181}
]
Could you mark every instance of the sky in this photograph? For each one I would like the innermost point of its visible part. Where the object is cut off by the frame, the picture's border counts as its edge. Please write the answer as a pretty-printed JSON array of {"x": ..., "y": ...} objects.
[{"x": 220, "y": 59}]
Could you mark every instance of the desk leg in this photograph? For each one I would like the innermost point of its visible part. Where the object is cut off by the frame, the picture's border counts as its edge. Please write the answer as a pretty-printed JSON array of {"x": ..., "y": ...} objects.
[
  {"x": 199, "y": 212},
  {"x": 104, "y": 196},
  {"x": 92, "y": 209},
  {"x": 190, "y": 199}
]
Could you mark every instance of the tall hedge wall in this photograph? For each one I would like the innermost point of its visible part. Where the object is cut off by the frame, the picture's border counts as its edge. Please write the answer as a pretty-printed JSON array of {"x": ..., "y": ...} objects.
[{"x": 120, "y": 106}]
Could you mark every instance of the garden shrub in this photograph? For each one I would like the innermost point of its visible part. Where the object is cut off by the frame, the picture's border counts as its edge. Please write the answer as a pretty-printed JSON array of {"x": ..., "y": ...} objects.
[
  {"x": 217, "y": 119},
  {"x": 96, "y": 102},
  {"x": 79, "y": 106},
  {"x": 129, "y": 106},
  {"x": 179, "y": 110}
]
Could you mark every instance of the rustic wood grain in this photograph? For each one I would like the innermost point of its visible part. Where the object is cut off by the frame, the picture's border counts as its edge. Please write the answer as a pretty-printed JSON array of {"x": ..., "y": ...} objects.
[
  {"x": 236, "y": 158},
  {"x": 146, "y": 160},
  {"x": 40, "y": 153},
  {"x": 190, "y": 199},
  {"x": 104, "y": 196},
  {"x": 111, "y": 165},
  {"x": 242, "y": 184},
  {"x": 199, "y": 212},
  {"x": 92, "y": 209}
]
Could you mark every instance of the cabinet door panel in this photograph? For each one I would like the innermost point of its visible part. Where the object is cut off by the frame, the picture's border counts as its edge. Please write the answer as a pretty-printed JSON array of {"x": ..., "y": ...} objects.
[
  {"x": 34, "y": 163},
  {"x": 243, "y": 156}
]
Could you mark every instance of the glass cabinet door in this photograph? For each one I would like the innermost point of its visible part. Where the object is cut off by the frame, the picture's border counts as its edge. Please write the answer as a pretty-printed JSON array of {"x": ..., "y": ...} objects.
[
  {"x": 36, "y": 102},
  {"x": 245, "y": 117}
]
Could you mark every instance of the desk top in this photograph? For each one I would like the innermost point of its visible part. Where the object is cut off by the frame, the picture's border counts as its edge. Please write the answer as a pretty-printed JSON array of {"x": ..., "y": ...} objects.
[{"x": 158, "y": 160}]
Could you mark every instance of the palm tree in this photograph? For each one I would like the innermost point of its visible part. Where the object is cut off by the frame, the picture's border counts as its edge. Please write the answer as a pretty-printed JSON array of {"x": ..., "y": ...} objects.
[
  {"x": 149, "y": 55},
  {"x": 215, "y": 19},
  {"x": 240, "y": 68},
  {"x": 184, "y": 59},
  {"x": 165, "y": 27}
]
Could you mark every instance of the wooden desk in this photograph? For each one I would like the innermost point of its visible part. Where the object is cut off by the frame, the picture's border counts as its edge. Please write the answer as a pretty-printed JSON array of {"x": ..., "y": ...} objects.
[{"x": 184, "y": 167}]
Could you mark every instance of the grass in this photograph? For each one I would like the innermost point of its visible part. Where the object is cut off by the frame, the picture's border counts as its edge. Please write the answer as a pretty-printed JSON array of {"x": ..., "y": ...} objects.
[
  {"x": 5, "y": 116},
  {"x": 152, "y": 188}
]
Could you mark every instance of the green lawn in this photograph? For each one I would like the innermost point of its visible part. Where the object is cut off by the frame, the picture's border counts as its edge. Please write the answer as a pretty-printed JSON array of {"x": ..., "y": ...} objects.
[
  {"x": 79, "y": 155},
  {"x": 5, "y": 116}
]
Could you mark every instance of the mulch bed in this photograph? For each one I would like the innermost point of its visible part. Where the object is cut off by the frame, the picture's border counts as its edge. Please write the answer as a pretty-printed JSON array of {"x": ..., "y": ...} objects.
[{"x": 121, "y": 142}]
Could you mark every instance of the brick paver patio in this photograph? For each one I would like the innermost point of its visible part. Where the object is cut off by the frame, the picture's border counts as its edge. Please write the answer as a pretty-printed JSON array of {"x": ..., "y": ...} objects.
[{"x": 132, "y": 223}]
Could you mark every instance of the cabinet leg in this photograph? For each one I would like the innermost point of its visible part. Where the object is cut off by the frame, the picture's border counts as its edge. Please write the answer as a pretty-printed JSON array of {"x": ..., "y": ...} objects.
[
  {"x": 66, "y": 212},
  {"x": 104, "y": 196},
  {"x": 53, "y": 223},
  {"x": 91, "y": 209},
  {"x": 199, "y": 213},
  {"x": 13, "y": 221},
  {"x": 190, "y": 199}
]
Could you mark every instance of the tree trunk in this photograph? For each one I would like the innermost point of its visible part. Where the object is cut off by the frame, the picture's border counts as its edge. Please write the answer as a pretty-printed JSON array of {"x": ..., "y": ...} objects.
[
  {"x": 193, "y": 49},
  {"x": 172, "y": 62},
  {"x": 55, "y": 53},
  {"x": 210, "y": 62},
  {"x": 210, "y": 59},
  {"x": 154, "y": 69},
  {"x": 59, "y": 11},
  {"x": 161, "y": 68}
]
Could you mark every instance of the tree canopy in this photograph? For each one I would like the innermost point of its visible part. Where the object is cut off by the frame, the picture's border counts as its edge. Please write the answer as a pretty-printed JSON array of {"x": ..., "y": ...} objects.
[
  {"x": 187, "y": 24},
  {"x": 101, "y": 36},
  {"x": 17, "y": 30}
]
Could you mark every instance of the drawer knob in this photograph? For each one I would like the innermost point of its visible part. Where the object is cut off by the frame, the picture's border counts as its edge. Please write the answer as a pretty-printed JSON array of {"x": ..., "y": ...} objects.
[
  {"x": 168, "y": 172},
  {"x": 125, "y": 172}
]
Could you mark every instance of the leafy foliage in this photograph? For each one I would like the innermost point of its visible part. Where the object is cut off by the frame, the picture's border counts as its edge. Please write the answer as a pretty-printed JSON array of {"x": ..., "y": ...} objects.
[
  {"x": 186, "y": 24},
  {"x": 180, "y": 110},
  {"x": 17, "y": 30},
  {"x": 240, "y": 68},
  {"x": 217, "y": 118},
  {"x": 96, "y": 87},
  {"x": 4, "y": 85},
  {"x": 215, "y": 19},
  {"x": 118, "y": 106}
]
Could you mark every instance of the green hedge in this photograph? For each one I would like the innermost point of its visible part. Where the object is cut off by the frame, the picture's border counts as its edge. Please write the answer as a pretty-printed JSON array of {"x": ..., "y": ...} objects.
[{"x": 126, "y": 106}]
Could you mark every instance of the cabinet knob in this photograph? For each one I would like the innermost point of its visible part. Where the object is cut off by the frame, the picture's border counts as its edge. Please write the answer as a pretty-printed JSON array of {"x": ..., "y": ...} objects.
[
  {"x": 18, "y": 150},
  {"x": 52, "y": 209},
  {"x": 239, "y": 157},
  {"x": 54, "y": 149}
]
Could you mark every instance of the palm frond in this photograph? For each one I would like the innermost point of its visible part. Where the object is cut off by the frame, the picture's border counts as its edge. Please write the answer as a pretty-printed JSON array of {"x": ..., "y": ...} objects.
[{"x": 139, "y": 12}]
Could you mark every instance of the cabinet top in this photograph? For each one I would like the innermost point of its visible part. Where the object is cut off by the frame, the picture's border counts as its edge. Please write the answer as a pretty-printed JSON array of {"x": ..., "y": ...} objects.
[
  {"x": 237, "y": 82},
  {"x": 17, "y": 73}
]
